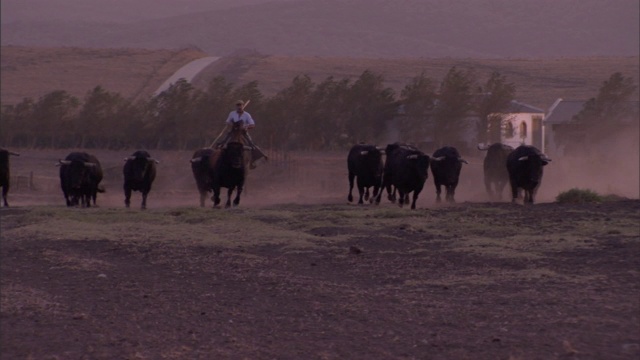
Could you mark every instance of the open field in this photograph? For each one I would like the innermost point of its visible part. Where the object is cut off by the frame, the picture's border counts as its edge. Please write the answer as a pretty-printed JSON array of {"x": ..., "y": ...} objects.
[
  {"x": 295, "y": 272},
  {"x": 33, "y": 72}
]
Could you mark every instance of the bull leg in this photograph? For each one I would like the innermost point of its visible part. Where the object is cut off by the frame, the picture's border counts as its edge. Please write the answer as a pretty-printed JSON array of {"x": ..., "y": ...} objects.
[
  {"x": 351, "y": 177},
  {"x": 451, "y": 191},
  {"x": 228, "y": 203},
  {"x": 374, "y": 196},
  {"x": 528, "y": 197},
  {"x": 236, "y": 201},
  {"x": 216, "y": 196},
  {"x": 391, "y": 194},
  {"x": 401, "y": 198},
  {"x": 5, "y": 190},
  {"x": 438, "y": 192},
  {"x": 514, "y": 192},
  {"x": 415, "y": 197},
  {"x": 144, "y": 199},
  {"x": 488, "y": 186},
  {"x": 500, "y": 189},
  {"x": 127, "y": 196},
  {"x": 203, "y": 194},
  {"x": 361, "y": 191},
  {"x": 366, "y": 194}
]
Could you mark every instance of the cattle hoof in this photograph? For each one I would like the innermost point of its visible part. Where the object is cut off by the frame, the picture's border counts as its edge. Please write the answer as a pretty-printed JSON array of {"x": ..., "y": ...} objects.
[{"x": 350, "y": 198}]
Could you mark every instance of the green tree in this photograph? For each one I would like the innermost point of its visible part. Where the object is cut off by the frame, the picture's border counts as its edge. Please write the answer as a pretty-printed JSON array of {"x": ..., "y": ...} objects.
[
  {"x": 609, "y": 112},
  {"x": 286, "y": 114},
  {"x": 327, "y": 114},
  {"x": 170, "y": 118},
  {"x": 496, "y": 96},
  {"x": 455, "y": 101},
  {"x": 15, "y": 123},
  {"x": 52, "y": 118},
  {"x": 372, "y": 105},
  {"x": 418, "y": 98},
  {"x": 97, "y": 121}
]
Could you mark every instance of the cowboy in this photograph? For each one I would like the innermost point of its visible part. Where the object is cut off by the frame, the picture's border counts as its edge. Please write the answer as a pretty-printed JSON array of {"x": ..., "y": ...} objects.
[{"x": 242, "y": 119}]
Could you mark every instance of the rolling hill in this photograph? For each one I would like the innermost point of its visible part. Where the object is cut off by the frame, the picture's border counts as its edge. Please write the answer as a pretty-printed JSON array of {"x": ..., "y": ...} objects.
[{"x": 33, "y": 72}]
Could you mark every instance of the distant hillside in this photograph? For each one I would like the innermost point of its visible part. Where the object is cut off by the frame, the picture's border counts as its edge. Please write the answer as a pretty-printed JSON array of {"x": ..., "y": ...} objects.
[
  {"x": 32, "y": 72},
  {"x": 350, "y": 28}
]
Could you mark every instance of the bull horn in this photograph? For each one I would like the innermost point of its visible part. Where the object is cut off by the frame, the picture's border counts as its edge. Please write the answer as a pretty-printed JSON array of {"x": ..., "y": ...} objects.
[
  {"x": 483, "y": 147},
  {"x": 63, "y": 162},
  {"x": 463, "y": 160},
  {"x": 414, "y": 156},
  {"x": 196, "y": 159},
  {"x": 365, "y": 152},
  {"x": 90, "y": 164},
  {"x": 154, "y": 160},
  {"x": 523, "y": 158},
  {"x": 129, "y": 158},
  {"x": 439, "y": 158},
  {"x": 545, "y": 158},
  {"x": 13, "y": 153}
]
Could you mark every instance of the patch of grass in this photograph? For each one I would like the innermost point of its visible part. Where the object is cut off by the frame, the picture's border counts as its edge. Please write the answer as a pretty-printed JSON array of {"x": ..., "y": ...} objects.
[{"x": 579, "y": 196}]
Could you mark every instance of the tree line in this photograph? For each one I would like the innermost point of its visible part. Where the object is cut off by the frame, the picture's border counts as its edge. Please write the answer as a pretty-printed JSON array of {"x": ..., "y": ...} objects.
[{"x": 332, "y": 114}]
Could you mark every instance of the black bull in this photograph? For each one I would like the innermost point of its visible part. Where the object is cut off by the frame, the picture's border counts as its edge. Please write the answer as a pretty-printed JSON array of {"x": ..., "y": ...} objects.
[
  {"x": 364, "y": 164},
  {"x": 214, "y": 169},
  {"x": 446, "y": 164},
  {"x": 496, "y": 176},
  {"x": 525, "y": 165},
  {"x": 5, "y": 174},
  {"x": 139, "y": 173},
  {"x": 406, "y": 169},
  {"x": 80, "y": 177}
]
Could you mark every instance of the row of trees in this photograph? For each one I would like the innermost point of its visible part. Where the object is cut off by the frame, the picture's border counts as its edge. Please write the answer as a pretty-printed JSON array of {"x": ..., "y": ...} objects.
[{"x": 305, "y": 115}]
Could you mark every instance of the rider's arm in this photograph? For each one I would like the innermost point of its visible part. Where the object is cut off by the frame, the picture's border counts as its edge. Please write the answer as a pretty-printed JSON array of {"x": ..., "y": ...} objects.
[{"x": 249, "y": 123}]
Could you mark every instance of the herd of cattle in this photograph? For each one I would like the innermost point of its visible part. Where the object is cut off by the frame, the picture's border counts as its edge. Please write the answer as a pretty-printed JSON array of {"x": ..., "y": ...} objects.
[{"x": 404, "y": 171}]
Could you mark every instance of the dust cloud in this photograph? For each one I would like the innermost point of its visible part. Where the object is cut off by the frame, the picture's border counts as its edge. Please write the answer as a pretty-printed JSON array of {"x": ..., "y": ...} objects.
[{"x": 318, "y": 178}]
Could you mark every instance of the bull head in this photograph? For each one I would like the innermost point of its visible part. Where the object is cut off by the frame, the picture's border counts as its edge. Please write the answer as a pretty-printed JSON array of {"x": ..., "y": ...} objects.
[
  {"x": 196, "y": 159},
  {"x": 13, "y": 153},
  {"x": 63, "y": 162},
  {"x": 412, "y": 157},
  {"x": 462, "y": 160}
]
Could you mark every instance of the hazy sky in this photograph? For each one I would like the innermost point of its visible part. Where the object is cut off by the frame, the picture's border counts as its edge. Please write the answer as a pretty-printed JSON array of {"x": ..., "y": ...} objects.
[{"x": 351, "y": 28}]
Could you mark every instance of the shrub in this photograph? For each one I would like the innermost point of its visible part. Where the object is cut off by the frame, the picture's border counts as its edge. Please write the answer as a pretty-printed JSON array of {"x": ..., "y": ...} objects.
[{"x": 579, "y": 196}]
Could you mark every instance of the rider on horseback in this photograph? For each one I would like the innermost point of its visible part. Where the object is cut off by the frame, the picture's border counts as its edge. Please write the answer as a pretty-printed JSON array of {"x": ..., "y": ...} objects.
[{"x": 240, "y": 120}]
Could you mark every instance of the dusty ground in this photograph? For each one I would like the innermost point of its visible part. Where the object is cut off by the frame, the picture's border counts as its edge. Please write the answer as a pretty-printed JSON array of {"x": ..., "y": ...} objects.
[
  {"x": 295, "y": 273},
  {"x": 472, "y": 281}
]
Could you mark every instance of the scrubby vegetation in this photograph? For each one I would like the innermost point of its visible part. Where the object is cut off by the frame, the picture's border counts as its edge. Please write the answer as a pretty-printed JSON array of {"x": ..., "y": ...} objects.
[{"x": 576, "y": 195}]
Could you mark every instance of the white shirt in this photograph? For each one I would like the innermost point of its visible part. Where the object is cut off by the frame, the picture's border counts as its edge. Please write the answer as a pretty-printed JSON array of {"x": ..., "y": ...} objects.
[{"x": 234, "y": 117}]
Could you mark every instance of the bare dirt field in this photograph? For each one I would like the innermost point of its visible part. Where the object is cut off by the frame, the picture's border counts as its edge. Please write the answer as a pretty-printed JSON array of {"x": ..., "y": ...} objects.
[{"x": 295, "y": 272}]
